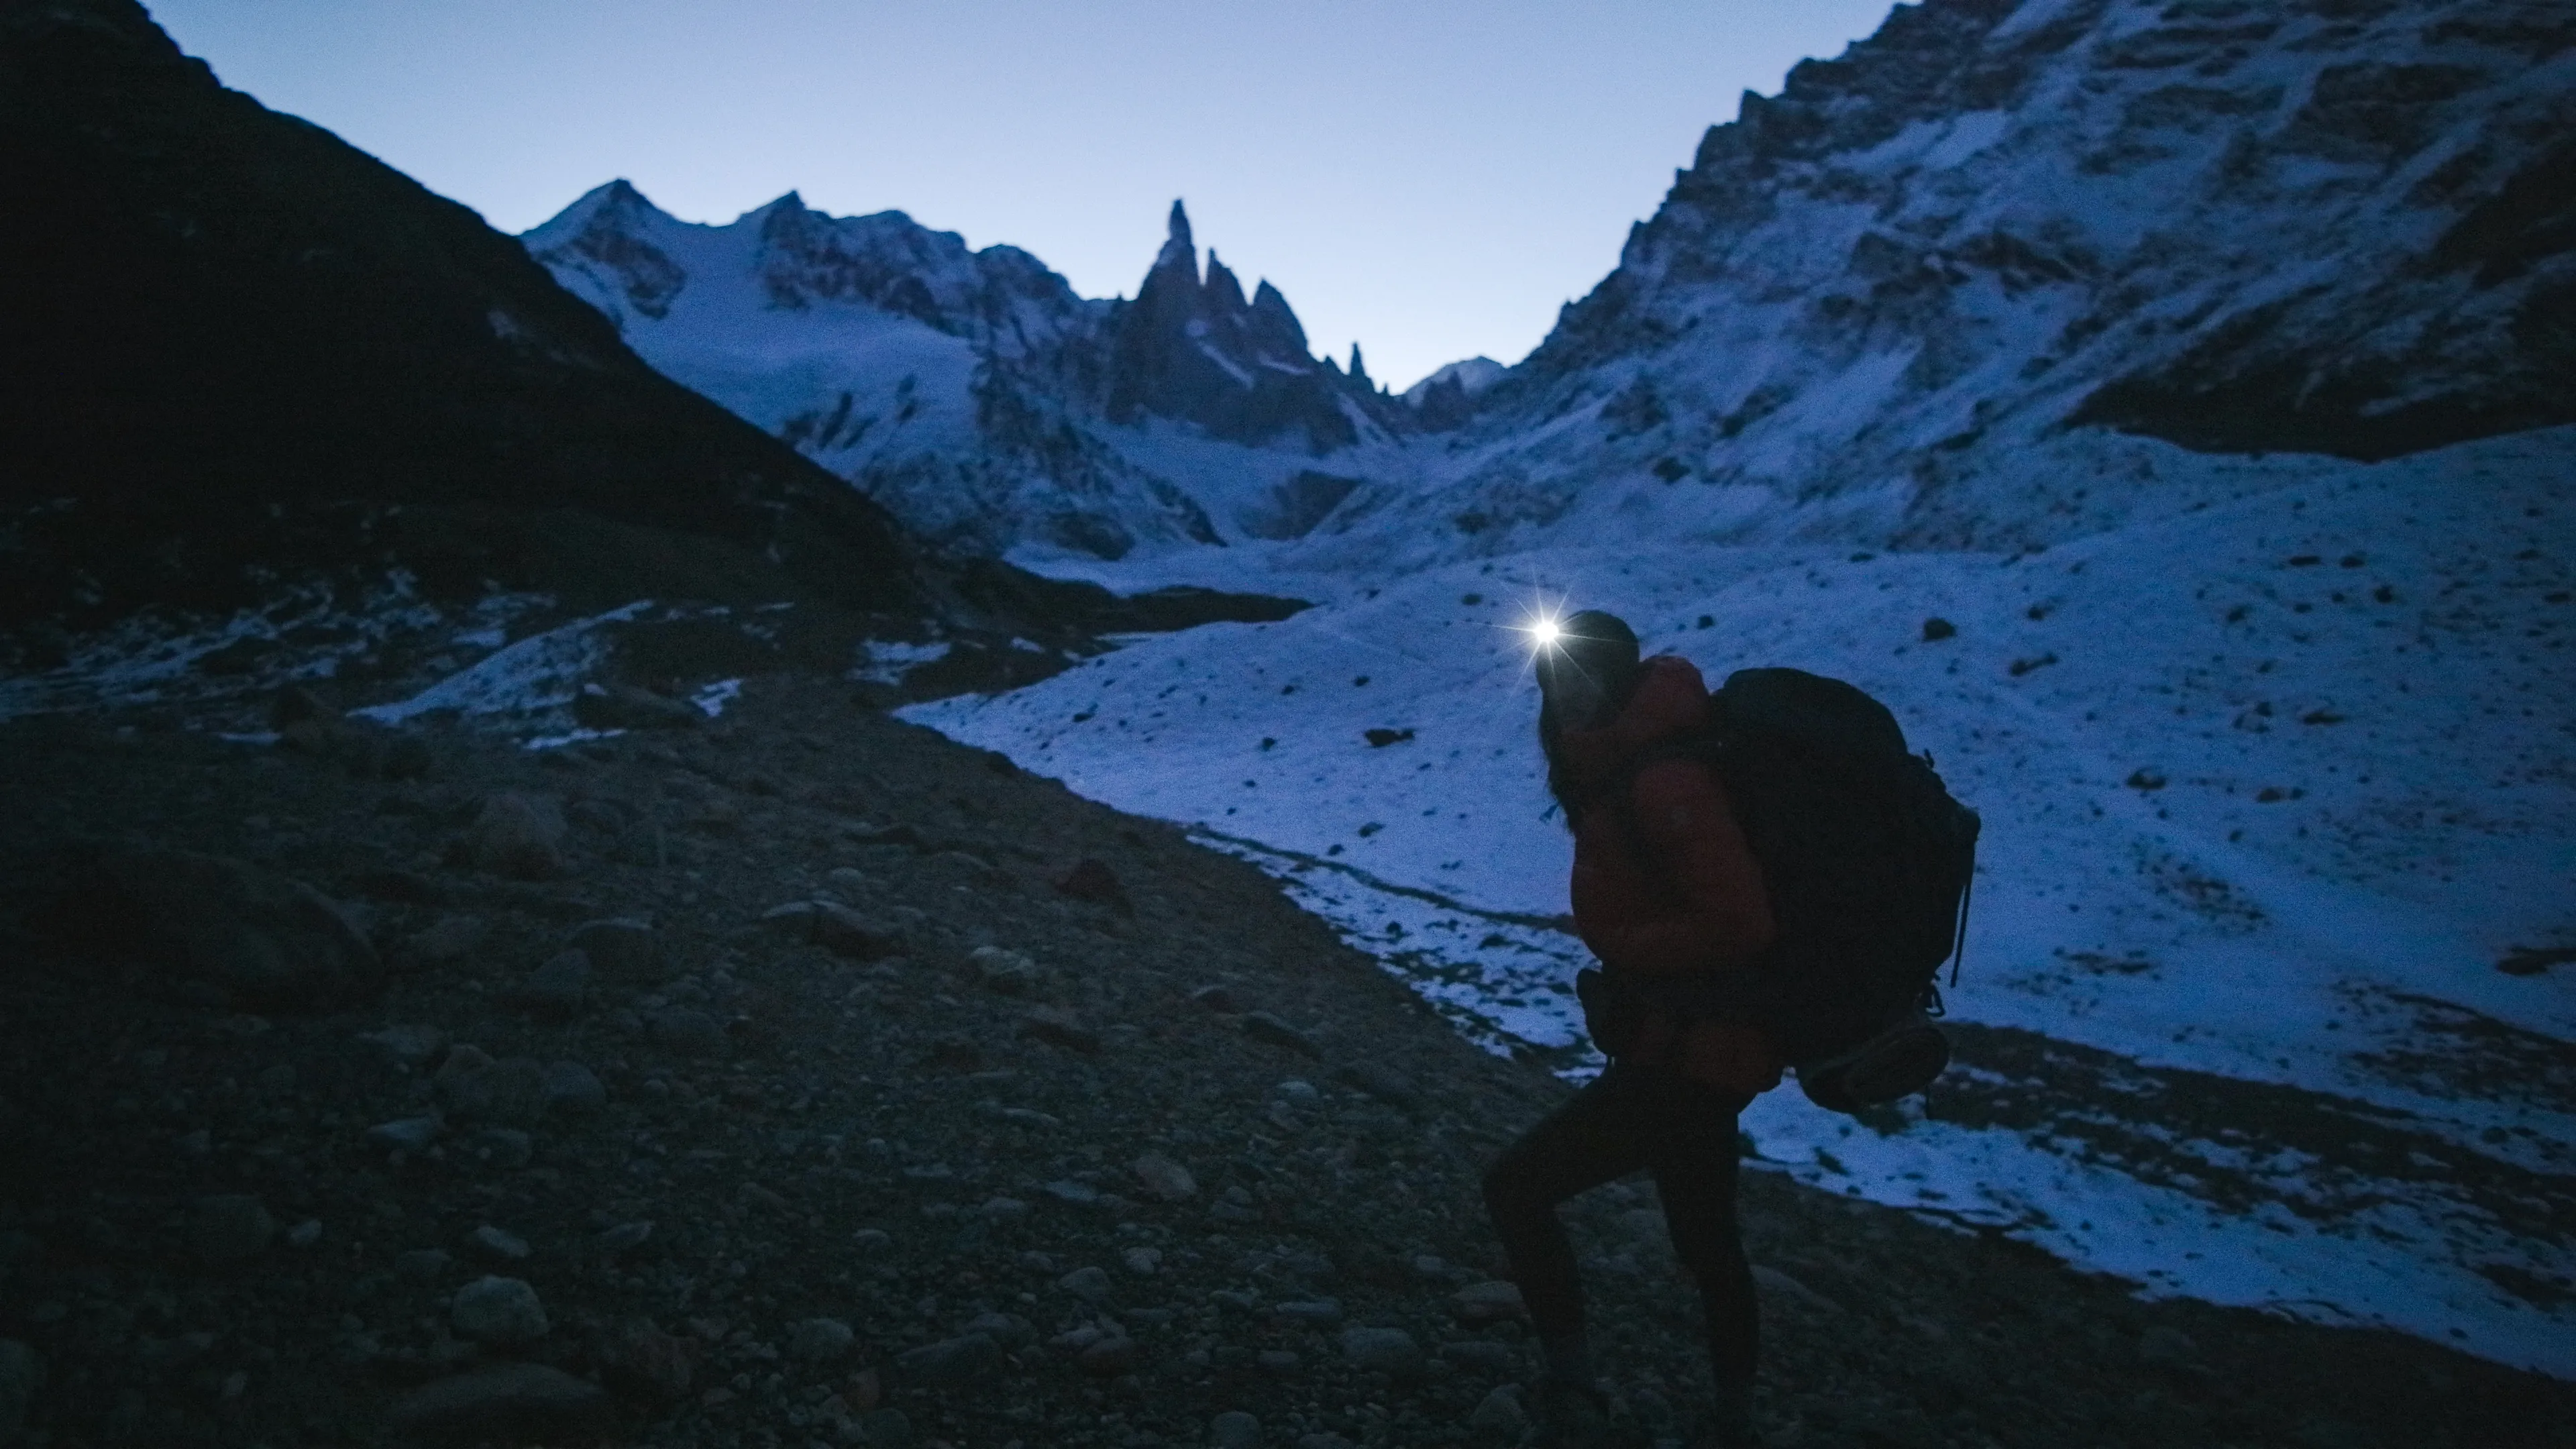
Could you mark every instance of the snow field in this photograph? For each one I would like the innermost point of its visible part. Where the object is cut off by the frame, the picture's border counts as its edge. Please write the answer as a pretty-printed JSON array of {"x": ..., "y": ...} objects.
[{"x": 2271, "y": 786}]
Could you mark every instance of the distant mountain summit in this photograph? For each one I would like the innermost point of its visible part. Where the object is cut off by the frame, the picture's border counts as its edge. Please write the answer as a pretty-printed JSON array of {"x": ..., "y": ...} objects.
[
  {"x": 972, "y": 392},
  {"x": 1195, "y": 351}
]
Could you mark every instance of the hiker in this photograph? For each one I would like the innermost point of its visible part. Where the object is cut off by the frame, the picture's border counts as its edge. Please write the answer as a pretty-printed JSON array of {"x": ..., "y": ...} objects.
[
  {"x": 1771, "y": 879},
  {"x": 1668, "y": 894}
]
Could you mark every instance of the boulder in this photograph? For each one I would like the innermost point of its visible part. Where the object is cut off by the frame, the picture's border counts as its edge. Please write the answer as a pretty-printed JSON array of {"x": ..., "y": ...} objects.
[
  {"x": 498, "y": 1310},
  {"x": 259, "y": 938},
  {"x": 571, "y": 1088},
  {"x": 475, "y": 1085},
  {"x": 638, "y": 1358},
  {"x": 1163, "y": 1178},
  {"x": 516, "y": 1403},
  {"x": 952, "y": 1361},
  {"x": 1091, "y": 880},
  {"x": 1264, "y": 1027},
  {"x": 821, "y": 1340},
  {"x": 625, "y": 707},
  {"x": 1487, "y": 1302},
  {"x": 621, "y": 949},
  {"x": 519, "y": 836},
  {"x": 557, "y": 988},
  {"x": 1385, "y": 1350}
]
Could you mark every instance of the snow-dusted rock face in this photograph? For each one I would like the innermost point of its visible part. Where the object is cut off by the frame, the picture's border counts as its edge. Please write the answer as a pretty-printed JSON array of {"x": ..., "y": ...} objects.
[
  {"x": 972, "y": 392},
  {"x": 1921, "y": 295}
]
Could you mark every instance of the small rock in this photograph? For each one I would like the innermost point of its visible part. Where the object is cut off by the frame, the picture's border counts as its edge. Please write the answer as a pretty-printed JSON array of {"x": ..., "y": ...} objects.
[
  {"x": 1217, "y": 996},
  {"x": 1783, "y": 1287},
  {"x": 517, "y": 1402},
  {"x": 1385, "y": 1350},
  {"x": 519, "y": 836},
  {"x": 821, "y": 1340},
  {"x": 22, "y": 1372},
  {"x": 558, "y": 987},
  {"x": 1163, "y": 1178},
  {"x": 230, "y": 1227},
  {"x": 304, "y": 1234},
  {"x": 1499, "y": 1415},
  {"x": 1481, "y": 1355},
  {"x": 504, "y": 1148},
  {"x": 405, "y": 1134},
  {"x": 498, "y": 1245},
  {"x": 1003, "y": 1209},
  {"x": 1008, "y": 972},
  {"x": 1323, "y": 1439},
  {"x": 1234, "y": 1429},
  {"x": 2164, "y": 1345},
  {"x": 1091, "y": 880},
  {"x": 1276, "y": 1360},
  {"x": 498, "y": 1311},
  {"x": 885, "y": 1429},
  {"x": 1007, "y": 1329},
  {"x": 477, "y": 1086},
  {"x": 1108, "y": 1357},
  {"x": 952, "y": 1361},
  {"x": 1936, "y": 629},
  {"x": 614, "y": 706},
  {"x": 1318, "y": 1312},
  {"x": 623, "y": 1238},
  {"x": 1381, "y": 1081},
  {"x": 412, "y": 1045},
  {"x": 1088, "y": 1284},
  {"x": 571, "y": 1088},
  {"x": 834, "y": 927},
  {"x": 621, "y": 949},
  {"x": 448, "y": 939},
  {"x": 1262, "y": 1026},
  {"x": 1068, "y": 1190},
  {"x": 1487, "y": 1302},
  {"x": 689, "y": 1032},
  {"x": 1058, "y": 1027},
  {"x": 1143, "y": 1262},
  {"x": 640, "y": 1359},
  {"x": 425, "y": 1265},
  {"x": 845, "y": 932}
]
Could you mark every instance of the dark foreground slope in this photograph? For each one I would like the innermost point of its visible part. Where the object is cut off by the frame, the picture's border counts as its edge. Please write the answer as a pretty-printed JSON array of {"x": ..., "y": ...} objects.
[{"x": 1165, "y": 1151}]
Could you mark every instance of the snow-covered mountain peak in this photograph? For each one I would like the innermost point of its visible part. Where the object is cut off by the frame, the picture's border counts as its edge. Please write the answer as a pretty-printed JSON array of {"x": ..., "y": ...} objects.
[{"x": 1994, "y": 232}]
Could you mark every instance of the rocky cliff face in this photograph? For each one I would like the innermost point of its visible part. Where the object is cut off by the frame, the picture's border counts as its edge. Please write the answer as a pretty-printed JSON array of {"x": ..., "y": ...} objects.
[
  {"x": 244, "y": 350},
  {"x": 1194, "y": 350},
  {"x": 972, "y": 392},
  {"x": 2002, "y": 238}
]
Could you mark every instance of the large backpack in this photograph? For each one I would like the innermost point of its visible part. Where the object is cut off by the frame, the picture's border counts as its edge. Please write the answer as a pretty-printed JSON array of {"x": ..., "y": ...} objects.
[{"x": 1867, "y": 860}]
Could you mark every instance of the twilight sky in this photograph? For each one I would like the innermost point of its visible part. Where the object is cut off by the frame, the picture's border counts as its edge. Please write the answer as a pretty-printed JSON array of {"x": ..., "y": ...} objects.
[{"x": 1430, "y": 179}]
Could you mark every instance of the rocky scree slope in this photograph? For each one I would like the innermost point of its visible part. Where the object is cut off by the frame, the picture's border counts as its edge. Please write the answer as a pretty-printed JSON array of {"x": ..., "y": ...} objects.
[
  {"x": 1920, "y": 296},
  {"x": 972, "y": 392},
  {"x": 804, "y": 1077}
]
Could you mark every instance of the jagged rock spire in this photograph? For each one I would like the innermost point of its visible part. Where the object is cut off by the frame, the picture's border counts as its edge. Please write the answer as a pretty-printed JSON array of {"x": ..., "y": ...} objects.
[{"x": 1178, "y": 249}]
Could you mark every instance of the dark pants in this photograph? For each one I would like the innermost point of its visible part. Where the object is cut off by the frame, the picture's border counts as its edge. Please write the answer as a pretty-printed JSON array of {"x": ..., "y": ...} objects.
[{"x": 1628, "y": 1118}]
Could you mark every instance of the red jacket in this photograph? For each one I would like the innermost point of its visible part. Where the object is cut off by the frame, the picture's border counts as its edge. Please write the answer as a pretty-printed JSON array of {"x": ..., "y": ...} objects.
[{"x": 1664, "y": 882}]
